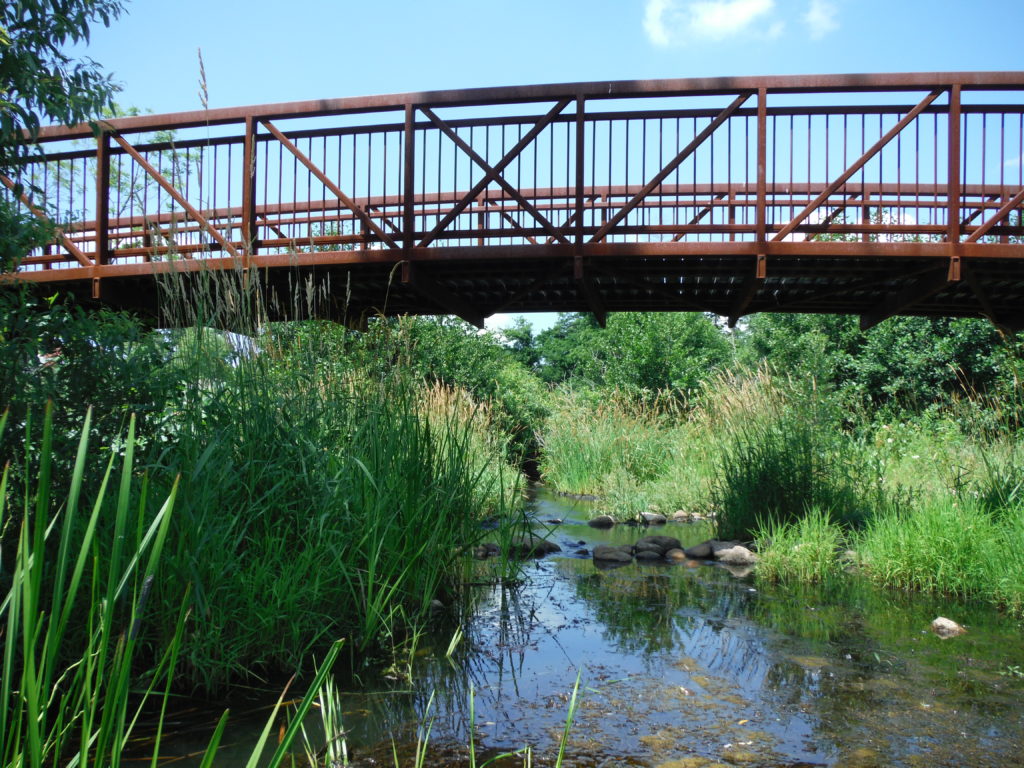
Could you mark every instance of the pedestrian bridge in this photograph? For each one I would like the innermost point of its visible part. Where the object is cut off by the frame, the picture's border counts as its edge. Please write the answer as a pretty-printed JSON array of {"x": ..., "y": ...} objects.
[{"x": 875, "y": 195}]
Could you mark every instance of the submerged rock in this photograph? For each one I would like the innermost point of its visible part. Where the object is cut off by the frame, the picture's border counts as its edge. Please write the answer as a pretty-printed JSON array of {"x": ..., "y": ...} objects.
[
  {"x": 489, "y": 549},
  {"x": 613, "y": 554},
  {"x": 648, "y": 554},
  {"x": 529, "y": 545},
  {"x": 947, "y": 628},
  {"x": 601, "y": 521}
]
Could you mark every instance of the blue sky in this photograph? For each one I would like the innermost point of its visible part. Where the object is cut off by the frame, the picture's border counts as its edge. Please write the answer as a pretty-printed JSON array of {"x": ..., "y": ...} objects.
[{"x": 261, "y": 52}]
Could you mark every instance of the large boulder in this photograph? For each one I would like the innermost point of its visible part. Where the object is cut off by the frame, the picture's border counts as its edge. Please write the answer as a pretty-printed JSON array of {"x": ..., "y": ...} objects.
[
  {"x": 649, "y": 555},
  {"x": 652, "y": 518},
  {"x": 676, "y": 556},
  {"x": 700, "y": 551}
]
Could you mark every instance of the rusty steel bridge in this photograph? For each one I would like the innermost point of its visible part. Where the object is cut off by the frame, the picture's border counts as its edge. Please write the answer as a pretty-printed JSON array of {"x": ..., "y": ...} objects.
[{"x": 874, "y": 195}]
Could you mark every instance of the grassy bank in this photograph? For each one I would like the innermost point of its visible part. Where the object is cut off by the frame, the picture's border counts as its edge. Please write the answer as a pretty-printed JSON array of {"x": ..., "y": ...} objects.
[
  {"x": 929, "y": 501},
  {"x": 318, "y": 498}
]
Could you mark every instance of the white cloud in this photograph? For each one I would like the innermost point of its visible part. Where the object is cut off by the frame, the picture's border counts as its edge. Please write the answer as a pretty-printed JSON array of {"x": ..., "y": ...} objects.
[
  {"x": 655, "y": 23},
  {"x": 675, "y": 22},
  {"x": 821, "y": 18}
]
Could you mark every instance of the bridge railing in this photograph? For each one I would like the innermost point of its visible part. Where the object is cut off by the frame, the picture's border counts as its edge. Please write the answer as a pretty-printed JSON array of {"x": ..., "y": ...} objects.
[{"x": 673, "y": 165}]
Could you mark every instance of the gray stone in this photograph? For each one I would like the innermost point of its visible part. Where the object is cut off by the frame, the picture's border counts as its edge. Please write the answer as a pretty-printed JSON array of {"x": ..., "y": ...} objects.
[
  {"x": 947, "y": 628},
  {"x": 680, "y": 516},
  {"x": 601, "y": 521},
  {"x": 731, "y": 553},
  {"x": 652, "y": 518},
  {"x": 611, "y": 554},
  {"x": 648, "y": 554},
  {"x": 488, "y": 549},
  {"x": 700, "y": 551},
  {"x": 662, "y": 543},
  {"x": 532, "y": 546}
]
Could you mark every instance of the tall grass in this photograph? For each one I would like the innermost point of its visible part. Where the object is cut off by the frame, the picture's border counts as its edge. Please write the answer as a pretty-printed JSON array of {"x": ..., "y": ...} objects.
[
  {"x": 637, "y": 456},
  {"x": 319, "y": 500},
  {"x": 72, "y": 622},
  {"x": 783, "y": 451},
  {"x": 949, "y": 546},
  {"x": 803, "y": 550}
]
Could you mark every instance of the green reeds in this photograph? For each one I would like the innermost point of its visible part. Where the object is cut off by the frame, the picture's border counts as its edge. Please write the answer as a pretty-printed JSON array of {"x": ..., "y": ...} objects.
[
  {"x": 784, "y": 452},
  {"x": 804, "y": 550},
  {"x": 319, "y": 501},
  {"x": 954, "y": 546},
  {"x": 72, "y": 615}
]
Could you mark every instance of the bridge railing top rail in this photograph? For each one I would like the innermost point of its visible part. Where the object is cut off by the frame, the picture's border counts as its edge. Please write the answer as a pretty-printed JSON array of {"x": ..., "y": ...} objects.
[{"x": 623, "y": 89}]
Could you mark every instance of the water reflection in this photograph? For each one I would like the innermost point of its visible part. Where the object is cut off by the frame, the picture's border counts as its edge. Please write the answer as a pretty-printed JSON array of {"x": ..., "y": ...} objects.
[{"x": 690, "y": 666}]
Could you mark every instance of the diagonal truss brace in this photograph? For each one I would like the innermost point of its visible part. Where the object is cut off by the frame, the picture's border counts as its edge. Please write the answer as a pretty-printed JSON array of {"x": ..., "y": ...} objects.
[
  {"x": 858, "y": 164},
  {"x": 665, "y": 172},
  {"x": 700, "y": 215},
  {"x": 488, "y": 170},
  {"x": 68, "y": 246},
  {"x": 335, "y": 189},
  {"x": 177, "y": 196},
  {"x": 827, "y": 221},
  {"x": 1003, "y": 211},
  {"x": 494, "y": 173}
]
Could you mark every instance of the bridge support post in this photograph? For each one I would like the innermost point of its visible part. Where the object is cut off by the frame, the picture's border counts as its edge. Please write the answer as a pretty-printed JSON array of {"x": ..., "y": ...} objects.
[
  {"x": 249, "y": 228},
  {"x": 102, "y": 207},
  {"x": 591, "y": 293}
]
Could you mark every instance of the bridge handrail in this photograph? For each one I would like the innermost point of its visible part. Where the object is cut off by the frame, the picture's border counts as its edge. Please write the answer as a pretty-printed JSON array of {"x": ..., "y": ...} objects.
[{"x": 600, "y": 90}]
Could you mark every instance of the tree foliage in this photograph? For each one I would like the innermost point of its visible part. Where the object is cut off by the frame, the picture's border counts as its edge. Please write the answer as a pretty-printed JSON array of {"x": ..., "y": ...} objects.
[
  {"x": 904, "y": 361},
  {"x": 635, "y": 352},
  {"x": 38, "y": 79}
]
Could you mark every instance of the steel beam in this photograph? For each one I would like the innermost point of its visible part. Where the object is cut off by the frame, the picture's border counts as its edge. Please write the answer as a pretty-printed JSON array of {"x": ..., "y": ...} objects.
[
  {"x": 895, "y": 303},
  {"x": 447, "y": 301}
]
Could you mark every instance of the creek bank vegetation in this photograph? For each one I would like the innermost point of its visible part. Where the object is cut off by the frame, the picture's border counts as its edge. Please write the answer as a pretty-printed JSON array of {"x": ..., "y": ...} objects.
[
  {"x": 893, "y": 453},
  {"x": 183, "y": 512}
]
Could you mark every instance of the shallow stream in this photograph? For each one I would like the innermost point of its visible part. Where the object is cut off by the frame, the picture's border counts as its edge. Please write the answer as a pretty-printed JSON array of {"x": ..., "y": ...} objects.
[{"x": 689, "y": 666}]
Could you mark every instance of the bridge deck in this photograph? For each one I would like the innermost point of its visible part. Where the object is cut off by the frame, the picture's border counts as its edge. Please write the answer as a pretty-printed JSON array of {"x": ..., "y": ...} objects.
[{"x": 867, "y": 194}]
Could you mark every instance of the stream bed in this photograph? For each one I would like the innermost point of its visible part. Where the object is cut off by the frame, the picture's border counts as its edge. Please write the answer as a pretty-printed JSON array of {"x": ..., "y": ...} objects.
[{"x": 686, "y": 666}]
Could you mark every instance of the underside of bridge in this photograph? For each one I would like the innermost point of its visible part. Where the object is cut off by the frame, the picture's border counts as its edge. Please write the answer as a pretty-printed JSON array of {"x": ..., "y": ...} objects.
[
  {"x": 474, "y": 284},
  {"x": 872, "y": 195}
]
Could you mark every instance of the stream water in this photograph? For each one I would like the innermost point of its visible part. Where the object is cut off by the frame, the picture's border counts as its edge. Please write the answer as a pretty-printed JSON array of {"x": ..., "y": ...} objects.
[{"x": 687, "y": 666}]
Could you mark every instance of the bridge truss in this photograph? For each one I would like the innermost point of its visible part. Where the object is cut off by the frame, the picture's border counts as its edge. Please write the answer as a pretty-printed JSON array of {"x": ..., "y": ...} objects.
[{"x": 867, "y": 194}]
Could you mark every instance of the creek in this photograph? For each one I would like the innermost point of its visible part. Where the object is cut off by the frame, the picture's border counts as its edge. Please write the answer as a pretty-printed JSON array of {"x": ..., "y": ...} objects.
[{"x": 683, "y": 666}]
